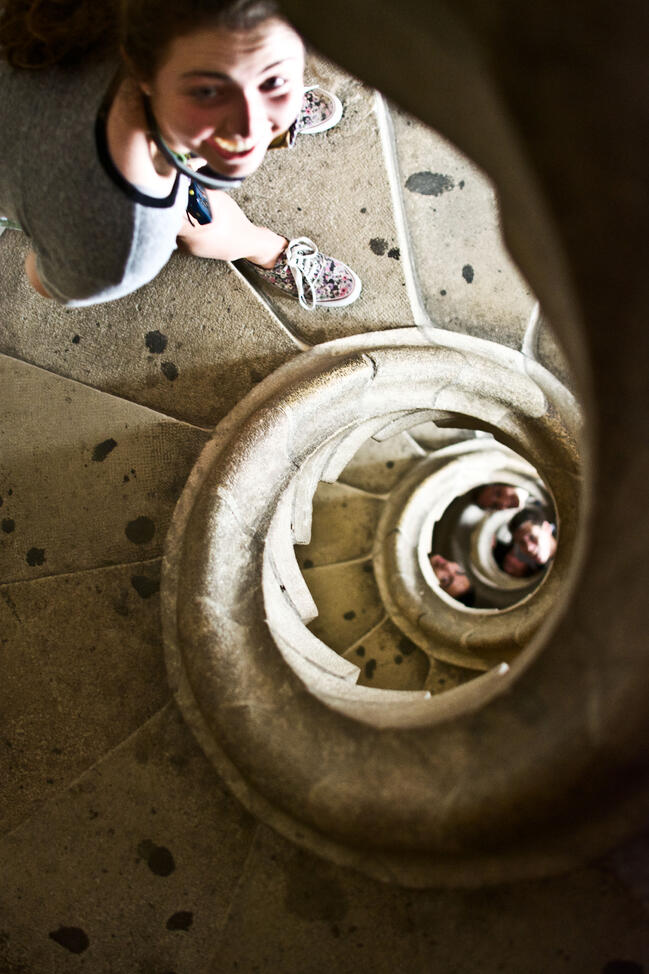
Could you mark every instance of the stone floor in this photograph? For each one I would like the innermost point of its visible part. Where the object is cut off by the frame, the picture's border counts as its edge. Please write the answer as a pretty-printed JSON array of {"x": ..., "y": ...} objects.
[{"x": 121, "y": 850}]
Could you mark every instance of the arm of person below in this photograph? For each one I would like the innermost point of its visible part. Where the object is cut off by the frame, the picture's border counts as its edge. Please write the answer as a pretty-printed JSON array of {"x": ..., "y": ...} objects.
[{"x": 32, "y": 275}]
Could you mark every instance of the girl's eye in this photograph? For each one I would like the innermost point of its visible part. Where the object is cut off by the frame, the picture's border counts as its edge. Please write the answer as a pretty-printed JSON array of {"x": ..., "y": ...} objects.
[
  {"x": 206, "y": 93},
  {"x": 273, "y": 84}
]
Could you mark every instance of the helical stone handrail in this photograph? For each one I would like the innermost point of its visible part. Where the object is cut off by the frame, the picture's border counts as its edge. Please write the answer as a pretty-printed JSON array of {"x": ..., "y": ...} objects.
[
  {"x": 435, "y": 790},
  {"x": 478, "y": 638}
]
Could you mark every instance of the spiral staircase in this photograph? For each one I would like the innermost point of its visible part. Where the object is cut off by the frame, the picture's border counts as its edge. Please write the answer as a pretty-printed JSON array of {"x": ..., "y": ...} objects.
[{"x": 216, "y": 514}]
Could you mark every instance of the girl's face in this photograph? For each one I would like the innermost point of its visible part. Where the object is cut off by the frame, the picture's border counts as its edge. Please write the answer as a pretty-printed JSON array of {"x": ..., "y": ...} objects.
[{"x": 225, "y": 95}]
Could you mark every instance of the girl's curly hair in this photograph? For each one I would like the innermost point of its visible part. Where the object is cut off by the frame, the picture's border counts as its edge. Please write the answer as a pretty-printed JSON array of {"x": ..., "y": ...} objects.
[{"x": 40, "y": 33}]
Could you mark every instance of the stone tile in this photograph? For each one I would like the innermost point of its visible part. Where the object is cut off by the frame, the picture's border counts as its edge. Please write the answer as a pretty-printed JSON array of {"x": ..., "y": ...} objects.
[
  {"x": 334, "y": 189},
  {"x": 468, "y": 281},
  {"x": 85, "y": 479},
  {"x": 343, "y": 527},
  {"x": 296, "y": 914},
  {"x": 82, "y": 667},
  {"x": 379, "y": 466},
  {"x": 131, "y": 870},
  {"x": 190, "y": 344},
  {"x": 389, "y": 660},
  {"x": 348, "y": 602}
]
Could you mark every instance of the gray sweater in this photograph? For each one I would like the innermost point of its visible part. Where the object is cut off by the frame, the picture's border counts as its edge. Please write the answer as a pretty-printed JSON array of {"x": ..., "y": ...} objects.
[{"x": 95, "y": 236}]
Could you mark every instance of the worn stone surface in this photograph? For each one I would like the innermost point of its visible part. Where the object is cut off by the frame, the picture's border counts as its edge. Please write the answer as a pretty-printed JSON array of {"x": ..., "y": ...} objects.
[
  {"x": 85, "y": 479},
  {"x": 348, "y": 601},
  {"x": 343, "y": 527},
  {"x": 297, "y": 914},
  {"x": 146, "y": 881},
  {"x": 82, "y": 669},
  {"x": 334, "y": 189},
  {"x": 190, "y": 344}
]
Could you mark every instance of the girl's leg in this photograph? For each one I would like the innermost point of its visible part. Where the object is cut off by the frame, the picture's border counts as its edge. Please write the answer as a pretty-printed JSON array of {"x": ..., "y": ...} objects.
[{"x": 231, "y": 235}]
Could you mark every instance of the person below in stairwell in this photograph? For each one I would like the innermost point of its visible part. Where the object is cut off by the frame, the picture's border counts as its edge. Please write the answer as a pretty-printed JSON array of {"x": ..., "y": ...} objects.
[
  {"x": 453, "y": 579},
  {"x": 496, "y": 497},
  {"x": 533, "y": 543},
  {"x": 141, "y": 116}
]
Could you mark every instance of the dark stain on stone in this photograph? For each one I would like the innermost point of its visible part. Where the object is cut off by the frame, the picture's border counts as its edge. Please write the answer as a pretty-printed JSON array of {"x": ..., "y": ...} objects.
[
  {"x": 349, "y": 615},
  {"x": 8, "y": 525},
  {"x": 156, "y": 342},
  {"x": 370, "y": 666},
  {"x": 429, "y": 183},
  {"x": 76, "y": 339},
  {"x": 120, "y": 604},
  {"x": 102, "y": 450},
  {"x": 398, "y": 659},
  {"x": 378, "y": 246},
  {"x": 140, "y": 530},
  {"x": 157, "y": 857},
  {"x": 389, "y": 464},
  {"x": 461, "y": 184},
  {"x": 145, "y": 587},
  {"x": 363, "y": 209},
  {"x": 360, "y": 651},
  {"x": 406, "y": 646},
  {"x": 308, "y": 563},
  {"x": 170, "y": 371},
  {"x": 443, "y": 292},
  {"x": 180, "y": 921},
  {"x": 395, "y": 253},
  {"x": 622, "y": 967},
  {"x": 313, "y": 891},
  {"x": 468, "y": 273},
  {"x": 73, "y": 939},
  {"x": 35, "y": 556}
]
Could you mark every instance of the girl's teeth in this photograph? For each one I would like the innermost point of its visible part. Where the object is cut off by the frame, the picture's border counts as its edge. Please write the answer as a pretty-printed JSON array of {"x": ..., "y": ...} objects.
[{"x": 236, "y": 145}]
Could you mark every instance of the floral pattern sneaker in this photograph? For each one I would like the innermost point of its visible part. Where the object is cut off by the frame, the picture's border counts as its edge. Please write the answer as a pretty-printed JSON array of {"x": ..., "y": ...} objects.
[
  {"x": 311, "y": 277},
  {"x": 320, "y": 111}
]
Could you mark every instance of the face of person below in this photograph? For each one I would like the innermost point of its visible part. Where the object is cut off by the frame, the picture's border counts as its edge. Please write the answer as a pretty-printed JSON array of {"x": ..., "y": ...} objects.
[
  {"x": 225, "y": 95},
  {"x": 536, "y": 540},
  {"x": 498, "y": 497},
  {"x": 451, "y": 576}
]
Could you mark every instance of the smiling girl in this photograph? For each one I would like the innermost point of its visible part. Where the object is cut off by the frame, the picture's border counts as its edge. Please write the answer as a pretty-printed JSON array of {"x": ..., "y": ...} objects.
[{"x": 110, "y": 161}]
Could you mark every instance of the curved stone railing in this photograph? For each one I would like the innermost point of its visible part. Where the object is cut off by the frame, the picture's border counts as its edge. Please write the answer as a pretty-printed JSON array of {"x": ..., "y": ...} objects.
[
  {"x": 478, "y": 638},
  {"x": 276, "y": 709}
]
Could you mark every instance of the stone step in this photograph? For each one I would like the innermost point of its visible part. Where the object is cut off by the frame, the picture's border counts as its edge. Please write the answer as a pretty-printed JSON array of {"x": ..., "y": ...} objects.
[
  {"x": 348, "y": 602},
  {"x": 334, "y": 188},
  {"x": 377, "y": 466},
  {"x": 86, "y": 479},
  {"x": 82, "y": 669},
  {"x": 344, "y": 526},
  {"x": 190, "y": 344},
  {"x": 147, "y": 880}
]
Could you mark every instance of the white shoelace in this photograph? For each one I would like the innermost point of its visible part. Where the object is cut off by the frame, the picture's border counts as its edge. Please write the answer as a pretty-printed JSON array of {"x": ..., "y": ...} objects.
[{"x": 305, "y": 264}]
